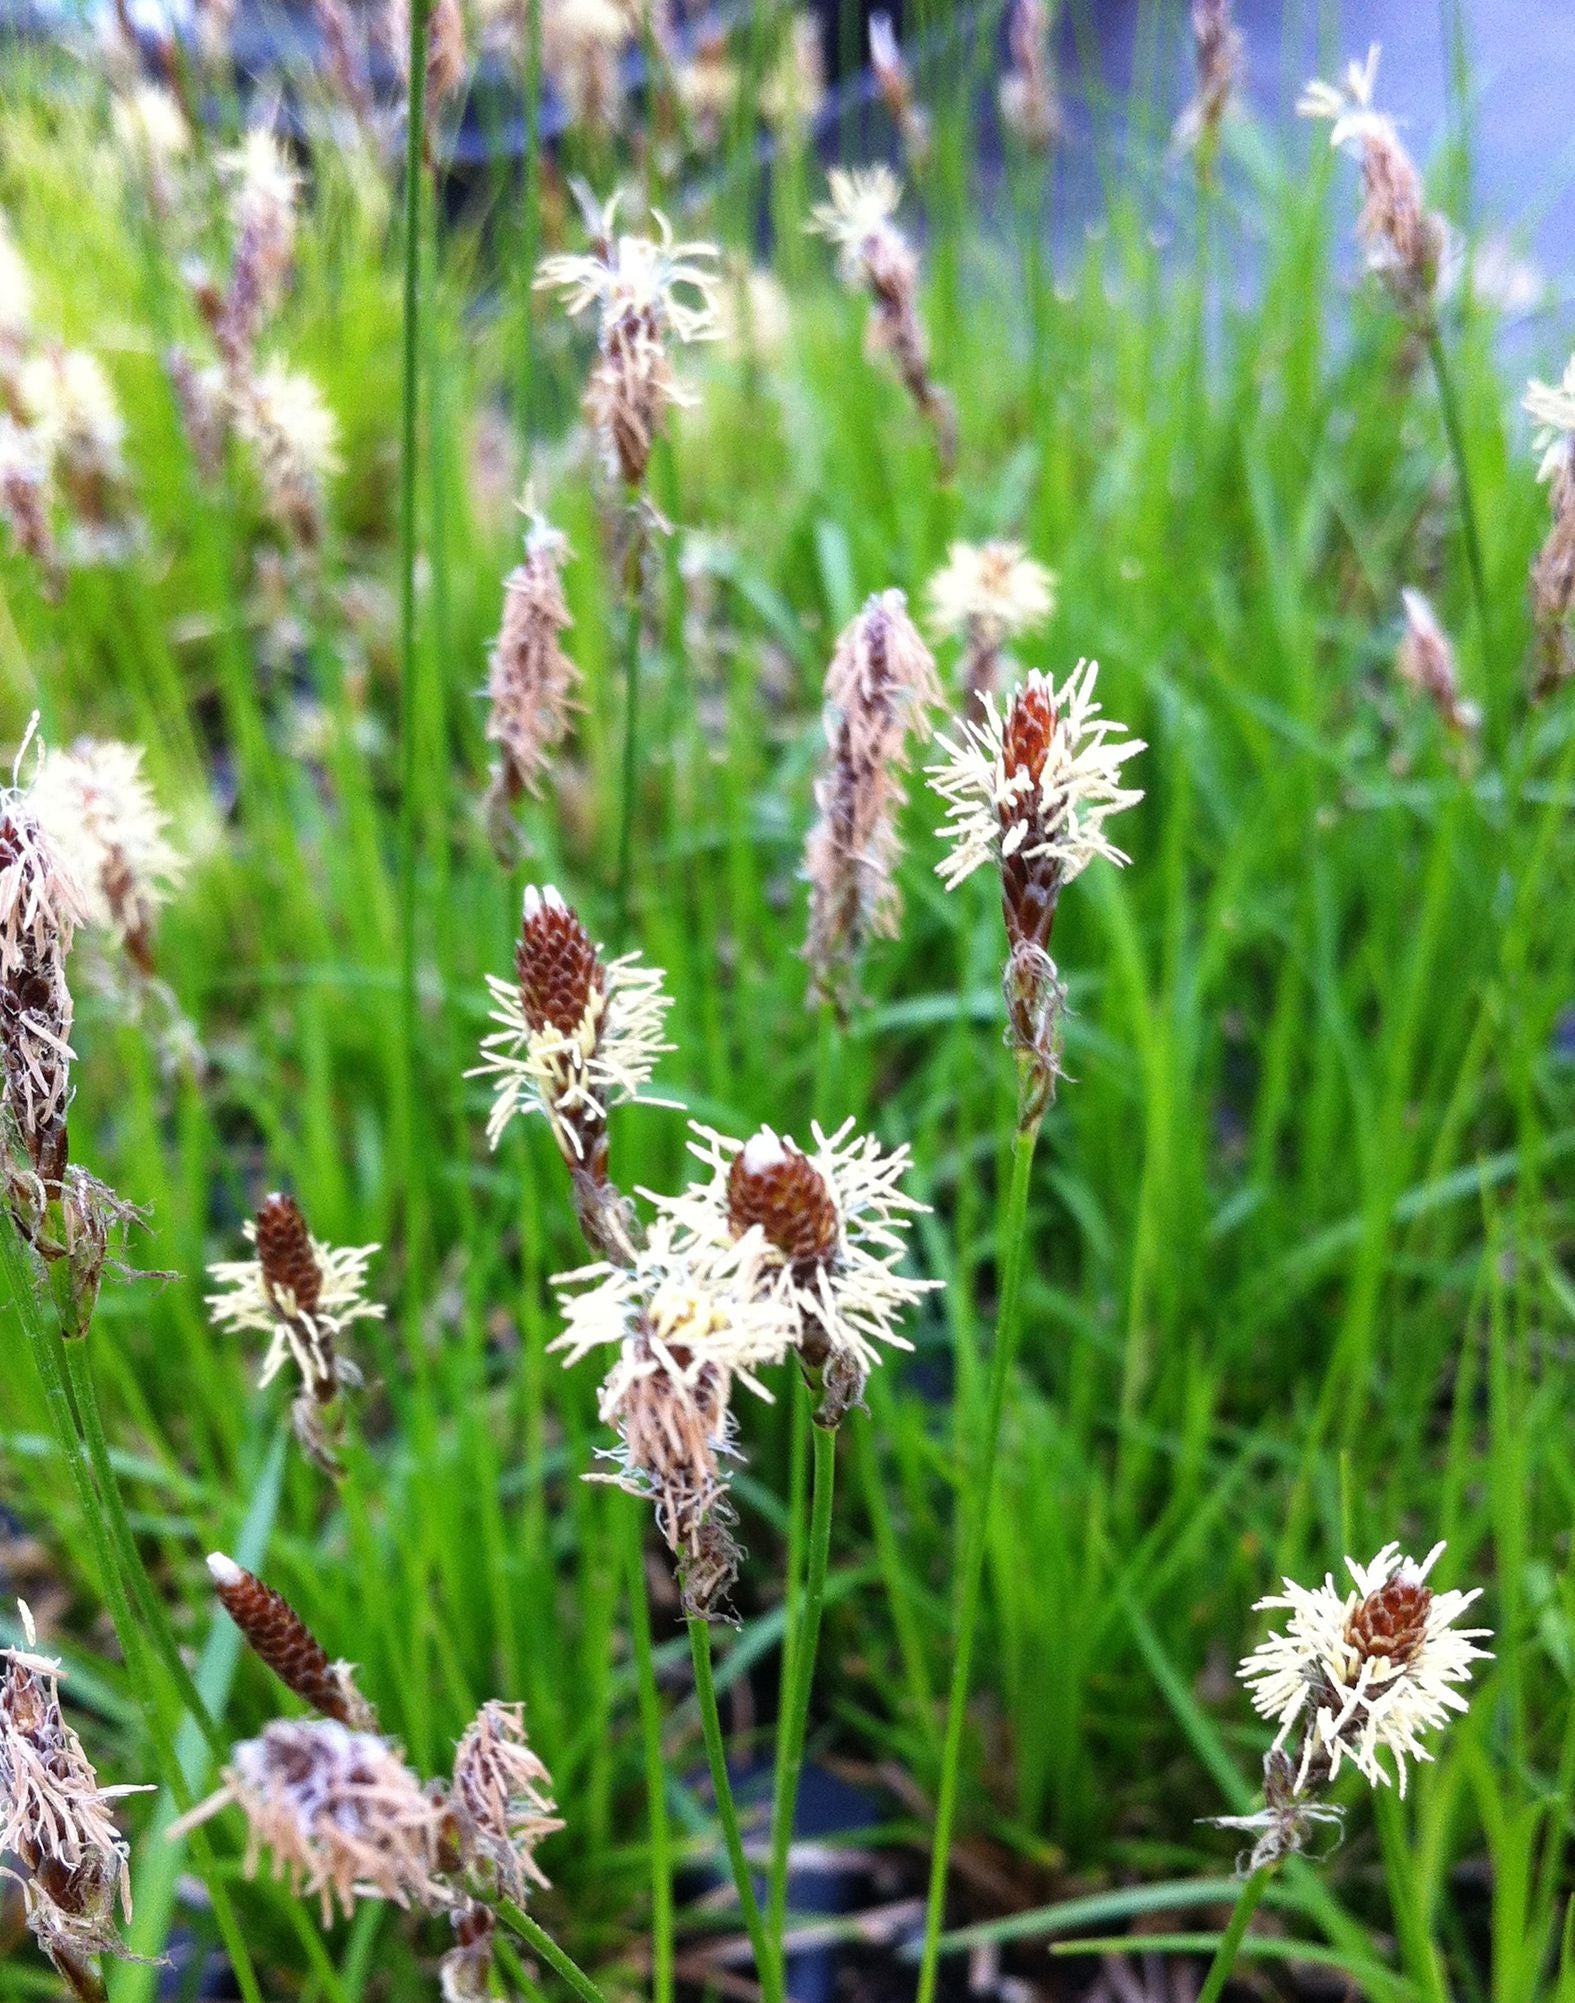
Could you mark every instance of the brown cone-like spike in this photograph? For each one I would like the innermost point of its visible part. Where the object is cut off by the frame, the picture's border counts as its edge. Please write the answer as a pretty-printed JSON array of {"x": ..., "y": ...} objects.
[
  {"x": 557, "y": 966},
  {"x": 277, "y": 1636},
  {"x": 1393, "y": 1621},
  {"x": 1030, "y": 884},
  {"x": 284, "y": 1249},
  {"x": 788, "y": 1197}
]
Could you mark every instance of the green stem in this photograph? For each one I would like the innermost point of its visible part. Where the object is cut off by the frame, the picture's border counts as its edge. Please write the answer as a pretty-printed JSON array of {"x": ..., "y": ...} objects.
[
  {"x": 1468, "y": 513},
  {"x": 1418, "y": 1954},
  {"x": 633, "y": 578},
  {"x": 806, "y": 1642},
  {"x": 727, "y": 1812},
  {"x": 520, "y": 1922},
  {"x": 1225, "y": 1954},
  {"x": 1014, "y": 1236},
  {"x": 79, "y": 1374},
  {"x": 655, "y": 1767},
  {"x": 416, "y": 105}
]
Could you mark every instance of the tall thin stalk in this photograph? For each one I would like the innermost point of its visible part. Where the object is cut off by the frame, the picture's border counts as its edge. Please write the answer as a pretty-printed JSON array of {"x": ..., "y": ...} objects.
[
  {"x": 1225, "y": 1954},
  {"x": 633, "y": 584},
  {"x": 806, "y": 1644},
  {"x": 537, "y": 1936},
  {"x": 655, "y": 1766},
  {"x": 414, "y": 146},
  {"x": 1014, "y": 1243},
  {"x": 727, "y": 1811}
]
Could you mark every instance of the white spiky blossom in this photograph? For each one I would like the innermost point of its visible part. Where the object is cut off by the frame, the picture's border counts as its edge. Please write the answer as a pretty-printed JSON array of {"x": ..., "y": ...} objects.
[
  {"x": 685, "y": 1321},
  {"x": 16, "y": 295},
  {"x": 648, "y": 292},
  {"x": 250, "y": 1301},
  {"x": 834, "y": 1223},
  {"x": 68, "y": 401},
  {"x": 281, "y": 415},
  {"x": 990, "y": 591},
  {"x": 150, "y": 125},
  {"x": 576, "y": 1035},
  {"x": 857, "y": 220},
  {"x": 1367, "y": 1671},
  {"x": 1551, "y": 408},
  {"x": 999, "y": 807},
  {"x": 99, "y": 812}
]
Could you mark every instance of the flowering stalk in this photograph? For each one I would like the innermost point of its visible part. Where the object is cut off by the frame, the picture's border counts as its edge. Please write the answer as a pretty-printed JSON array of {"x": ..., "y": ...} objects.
[
  {"x": 767, "y": 1963},
  {"x": 1014, "y": 1235},
  {"x": 872, "y": 252}
]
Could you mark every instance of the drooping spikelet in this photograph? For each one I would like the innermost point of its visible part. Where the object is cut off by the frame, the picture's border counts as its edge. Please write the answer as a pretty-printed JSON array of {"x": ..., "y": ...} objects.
[
  {"x": 40, "y": 908},
  {"x": 1219, "y": 50},
  {"x": 1030, "y": 791},
  {"x": 895, "y": 84},
  {"x": 1551, "y": 407},
  {"x": 880, "y": 686},
  {"x": 834, "y": 1223},
  {"x": 578, "y": 1035},
  {"x": 637, "y": 285},
  {"x": 531, "y": 680},
  {"x": 1425, "y": 662},
  {"x": 343, "y": 1815},
  {"x": 56, "y": 1822},
  {"x": 1365, "y": 1672},
  {"x": 874, "y": 254},
  {"x": 303, "y": 1295},
  {"x": 1030, "y": 106},
  {"x": 100, "y": 814},
  {"x": 1403, "y": 239},
  {"x": 686, "y": 1320},
  {"x": 501, "y": 1801},
  {"x": 264, "y": 189},
  {"x": 279, "y": 1638},
  {"x": 988, "y": 593}
]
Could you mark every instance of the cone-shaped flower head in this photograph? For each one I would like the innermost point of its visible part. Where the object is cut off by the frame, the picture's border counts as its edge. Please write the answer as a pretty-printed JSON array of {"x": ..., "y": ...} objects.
[
  {"x": 1551, "y": 407},
  {"x": 578, "y": 1033},
  {"x": 264, "y": 187},
  {"x": 278, "y": 1637},
  {"x": 293, "y": 436},
  {"x": 1367, "y": 1671},
  {"x": 531, "y": 680},
  {"x": 1029, "y": 104},
  {"x": 1425, "y": 662},
  {"x": 648, "y": 292},
  {"x": 302, "y": 1294},
  {"x": 343, "y": 1815},
  {"x": 834, "y": 1225},
  {"x": 880, "y": 686}
]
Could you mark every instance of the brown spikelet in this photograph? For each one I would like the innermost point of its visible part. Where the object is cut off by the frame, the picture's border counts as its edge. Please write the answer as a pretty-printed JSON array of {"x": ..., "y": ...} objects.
[
  {"x": 1030, "y": 884},
  {"x": 284, "y": 1249},
  {"x": 277, "y": 1636},
  {"x": 789, "y": 1198},
  {"x": 1393, "y": 1621},
  {"x": 557, "y": 966}
]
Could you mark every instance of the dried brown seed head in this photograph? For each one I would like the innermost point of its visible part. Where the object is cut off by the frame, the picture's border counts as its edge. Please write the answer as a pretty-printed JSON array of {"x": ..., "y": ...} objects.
[{"x": 284, "y": 1248}]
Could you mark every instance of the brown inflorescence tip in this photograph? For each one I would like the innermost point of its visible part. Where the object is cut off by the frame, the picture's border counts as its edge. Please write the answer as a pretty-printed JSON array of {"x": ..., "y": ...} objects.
[
  {"x": 557, "y": 965},
  {"x": 772, "y": 1184},
  {"x": 1030, "y": 883},
  {"x": 284, "y": 1250},
  {"x": 278, "y": 1637},
  {"x": 1392, "y": 1622}
]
